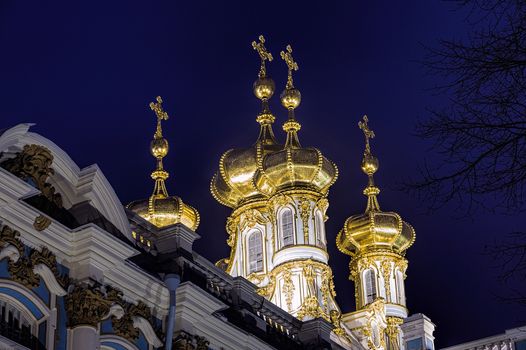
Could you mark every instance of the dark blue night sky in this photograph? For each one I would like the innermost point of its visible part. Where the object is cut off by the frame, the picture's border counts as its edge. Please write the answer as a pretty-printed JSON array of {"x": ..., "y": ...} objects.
[{"x": 84, "y": 72}]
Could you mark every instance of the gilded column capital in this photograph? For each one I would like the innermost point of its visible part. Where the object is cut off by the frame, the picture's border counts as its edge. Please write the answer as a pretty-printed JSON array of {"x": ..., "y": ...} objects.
[
  {"x": 323, "y": 205},
  {"x": 124, "y": 327},
  {"x": 88, "y": 305}
]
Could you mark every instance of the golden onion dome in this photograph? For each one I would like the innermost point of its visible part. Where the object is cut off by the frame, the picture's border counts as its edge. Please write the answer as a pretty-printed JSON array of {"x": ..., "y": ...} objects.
[
  {"x": 294, "y": 167},
  {"x": 161, "y": 209},
  {"x": 374, "y": 230},
  {"x": 232, "y": 185},
  {"x": 166, "y": 211}
]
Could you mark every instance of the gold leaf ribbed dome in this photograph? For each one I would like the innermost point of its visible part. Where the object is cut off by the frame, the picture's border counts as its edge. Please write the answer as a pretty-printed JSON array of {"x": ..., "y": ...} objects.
[
  {"x": 166, "y": 211},
  {"x": 305, "y": 168},
  {"x": 233, "y": 184},
  {"x": 161, "y": 209},
  {"x": 374, "y": 230}
]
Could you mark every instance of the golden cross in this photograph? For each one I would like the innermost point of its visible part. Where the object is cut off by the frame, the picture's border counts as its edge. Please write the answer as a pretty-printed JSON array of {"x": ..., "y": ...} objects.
[
  {"x": 161, "y": 115},
  {"x": 369, "y": 134},
  {"x": 263, "y": 54},
  {"x": 291, "y": 64}
]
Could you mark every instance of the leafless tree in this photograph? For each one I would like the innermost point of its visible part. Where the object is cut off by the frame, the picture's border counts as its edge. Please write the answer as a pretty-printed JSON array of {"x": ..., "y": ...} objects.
[{"x": 480, "y": 130}]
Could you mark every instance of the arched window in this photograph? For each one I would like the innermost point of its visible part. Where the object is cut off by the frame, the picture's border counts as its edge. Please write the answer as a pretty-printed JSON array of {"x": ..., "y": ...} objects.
[
  {"x": 287, "y": 228},
  {"x": 370, "y": 286},
  {"x": 255, "y": 252},
  {"x": 320, "y": 232}
]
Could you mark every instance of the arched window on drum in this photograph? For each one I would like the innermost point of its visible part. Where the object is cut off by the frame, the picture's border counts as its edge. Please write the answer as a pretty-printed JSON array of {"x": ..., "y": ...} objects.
[
  {"x": 370, "y": 286},
  {"x": 255, "y": 252},
  {"x": 287, "y": 227}
]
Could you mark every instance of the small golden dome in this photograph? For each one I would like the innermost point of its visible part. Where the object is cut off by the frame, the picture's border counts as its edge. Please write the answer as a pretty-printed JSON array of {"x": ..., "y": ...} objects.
[
  {"x": 374, "y": 230},
  {"x": 161, "y": 209},
  {"x": 166, "y": 211}
]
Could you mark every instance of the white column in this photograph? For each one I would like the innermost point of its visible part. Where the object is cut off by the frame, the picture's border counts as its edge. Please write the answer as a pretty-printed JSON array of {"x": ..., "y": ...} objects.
[{"x": 84, "y": 338}]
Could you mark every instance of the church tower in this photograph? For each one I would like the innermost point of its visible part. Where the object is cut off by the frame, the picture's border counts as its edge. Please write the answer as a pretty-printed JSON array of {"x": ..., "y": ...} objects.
[
  {"x": 278, "y": 194},
  {"x": 377, "y": 242}
]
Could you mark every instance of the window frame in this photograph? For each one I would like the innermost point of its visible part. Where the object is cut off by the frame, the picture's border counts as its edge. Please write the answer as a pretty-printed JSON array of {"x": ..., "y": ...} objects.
[
  {"x": 281, "y": 241},
  {"x": 252, "y": 234}
]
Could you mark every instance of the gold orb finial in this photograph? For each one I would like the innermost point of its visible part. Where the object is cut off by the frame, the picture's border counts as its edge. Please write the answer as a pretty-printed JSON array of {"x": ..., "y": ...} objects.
[
  {"x": 264, "y": 86},
  {"x": 159, "y": 149},
  {"x": 159, "y": 145},
  {"x": 290, "y": 97},
  {"x": 369, "y": 163}
]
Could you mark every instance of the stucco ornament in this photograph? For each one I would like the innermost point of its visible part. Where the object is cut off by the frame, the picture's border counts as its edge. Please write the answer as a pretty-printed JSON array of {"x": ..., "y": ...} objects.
[
  {"x": 33, "y": 165},
  {"x": 88, "y": 305}
]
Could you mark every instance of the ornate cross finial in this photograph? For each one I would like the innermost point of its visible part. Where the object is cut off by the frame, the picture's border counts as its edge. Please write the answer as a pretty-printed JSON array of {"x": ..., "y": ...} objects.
[
  {"x": 161, "y": 115},
  {"x": 263, "y": 54},
  {"x": 293, "y": 66},
  {"x": 369, "y": 134}
]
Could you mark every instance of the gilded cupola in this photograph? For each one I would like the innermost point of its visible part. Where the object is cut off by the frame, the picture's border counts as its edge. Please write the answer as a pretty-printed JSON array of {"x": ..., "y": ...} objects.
[
  {"x": 161, "y": 209},
  {"x": 294, "y": 167},
  {"x": 233, "y": 184},
  {"x": 374, "y": 230}
]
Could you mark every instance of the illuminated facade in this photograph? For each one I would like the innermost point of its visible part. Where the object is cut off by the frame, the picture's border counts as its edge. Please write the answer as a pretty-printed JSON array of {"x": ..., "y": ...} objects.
[{"x": 78, "y": 270}]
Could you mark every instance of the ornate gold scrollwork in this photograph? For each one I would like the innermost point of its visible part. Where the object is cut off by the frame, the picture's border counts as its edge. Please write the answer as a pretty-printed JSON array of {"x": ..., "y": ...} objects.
[
  {"x": 33, "y": 164},
  {"x": 185, "y": 341},
  {"x": 305, "y": 214},
  {"x": 323, "y": 205},
  {"x": 251, "y": 217},
  {"x": 86, "y": 305},
  {"x": 123, "y": 326},
  {"x": 10, "y": 236},
  {"x": 288, "y": 288},
  {"x": 232, "y": 228},
  {"x": 41, "y": 223},
  {"x": 22, "y": 270},
  {"x": 279, "y": 200},
  {"x": 386, "y": 272},
  {"x": 402, "y": 265},
  {"x": 311, "y": 306},
  {"x": 267, "y": 290}
]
